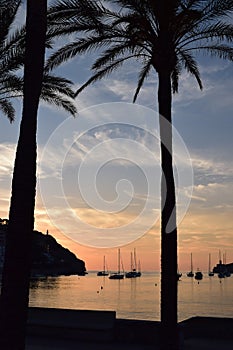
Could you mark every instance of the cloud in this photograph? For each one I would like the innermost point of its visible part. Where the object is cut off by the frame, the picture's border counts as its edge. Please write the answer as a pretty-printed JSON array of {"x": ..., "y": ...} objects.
[
  {"x": 7, "y": 154},
  {"x": 210, "y": 169},
  {"x": 216, "y": 197}
]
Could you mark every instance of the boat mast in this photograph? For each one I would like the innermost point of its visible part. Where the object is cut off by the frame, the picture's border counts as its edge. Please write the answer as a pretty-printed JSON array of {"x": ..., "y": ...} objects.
[
  {"x": 135, "y": 260},
  {"x": 119, "y": 258},
  {"x": 104, "y": 264},
  {"x": 131, "y": 261},
  {"x": 220, "y": 259},
  {"x": 139, "y": 266}
]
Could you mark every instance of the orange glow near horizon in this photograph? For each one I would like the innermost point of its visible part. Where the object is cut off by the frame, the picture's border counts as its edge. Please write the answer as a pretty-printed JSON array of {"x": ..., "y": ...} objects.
[
  {"x": 201, "y": 232},
  {"x": 148, "y": 246}
]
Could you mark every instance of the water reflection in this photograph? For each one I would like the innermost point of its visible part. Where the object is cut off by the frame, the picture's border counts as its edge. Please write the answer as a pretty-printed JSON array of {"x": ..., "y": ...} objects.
[
  {"x": 133, "y": 298},
  {"x": 45, "y": 282}
]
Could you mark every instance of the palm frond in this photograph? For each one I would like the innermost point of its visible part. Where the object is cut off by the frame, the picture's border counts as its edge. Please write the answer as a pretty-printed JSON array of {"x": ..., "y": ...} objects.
[
  {"x": 141, "y": 78},
  {"x": 59, "y": 101},
  {"x": 102, "y": 73},
  {"x": 12, "y": 60},
  {"x": 58, "y": 84},
  {"x": 175, "y": 77},
  {"x": 8, "y": 11},
  {"x": 219, "y": 31},
  {"x": 216, "y": 8},
  {"x": 7, "y": 109},
  {"x": 72, "y": 16},
  {"x": 133, "y": 5},
  {"x": 190, "y": 65},
  {"x": 69, "y": 29},
  {"x": 112, "y": 53},
  {"x": 63, "y": 11},
  {"x": 82, "y": 45},
  {"x": 135, "y": 29},
  {"x": 10, "y": 84},
  {"x": 221, "y": 51},
  {"x": 57, "y": 91}
]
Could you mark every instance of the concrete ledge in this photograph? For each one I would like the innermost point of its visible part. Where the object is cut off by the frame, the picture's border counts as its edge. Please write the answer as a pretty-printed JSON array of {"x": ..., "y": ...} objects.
[
  {"x": 137, "y": 331},
  {"x": 77, "y": 324},
  {"x": 102, "y": 327},
  {"x": 207, "y": 327}
]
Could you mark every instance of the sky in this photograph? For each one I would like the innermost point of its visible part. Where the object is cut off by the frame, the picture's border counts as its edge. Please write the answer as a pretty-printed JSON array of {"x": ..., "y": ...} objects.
[{"x": 99, "y": 175}]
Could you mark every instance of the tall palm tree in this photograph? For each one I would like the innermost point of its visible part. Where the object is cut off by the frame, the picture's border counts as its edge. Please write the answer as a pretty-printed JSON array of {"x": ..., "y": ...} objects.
[
  {"x": 15, "y": 280},
  {"x": 165, "y": 37},
  {"x": 55, "y": 90},
  {"x": 16, "y": 270}
]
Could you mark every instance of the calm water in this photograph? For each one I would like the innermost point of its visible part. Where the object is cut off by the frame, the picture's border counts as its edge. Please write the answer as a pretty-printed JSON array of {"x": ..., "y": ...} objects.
[{"x": 136, "y": 298}]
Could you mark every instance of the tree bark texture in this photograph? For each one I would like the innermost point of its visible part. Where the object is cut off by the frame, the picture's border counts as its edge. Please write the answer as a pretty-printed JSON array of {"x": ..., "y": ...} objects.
[{"x": 169, "y": 334}]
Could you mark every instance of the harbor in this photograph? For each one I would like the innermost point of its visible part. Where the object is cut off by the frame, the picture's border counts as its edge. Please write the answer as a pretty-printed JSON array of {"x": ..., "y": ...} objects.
[{"x": 134, "y": 298}]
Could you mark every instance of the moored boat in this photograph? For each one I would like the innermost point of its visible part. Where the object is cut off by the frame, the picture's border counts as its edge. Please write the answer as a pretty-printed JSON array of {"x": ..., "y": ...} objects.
[
  {"x": 211, "y": 273},
  {"x": 132, "y": 273},
  {"x": 103, "y": 272},
  {"x": 190, "y": 273},
  {"x": 179, "y": 274},
  {"x": 117, "y": 275},
  {"x": 198, "y": 275},
  {"x": 227, "y": 273},
  {"x": 221, "y": 275}
]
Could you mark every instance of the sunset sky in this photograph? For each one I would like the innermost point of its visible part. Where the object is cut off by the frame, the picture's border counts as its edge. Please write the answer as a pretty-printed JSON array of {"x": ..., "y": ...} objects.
[{"x": 112, "y": 146}]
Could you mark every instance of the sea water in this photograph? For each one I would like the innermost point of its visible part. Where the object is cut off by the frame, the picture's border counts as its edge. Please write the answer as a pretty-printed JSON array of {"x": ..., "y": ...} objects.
[{"x": 134, "y": 298}]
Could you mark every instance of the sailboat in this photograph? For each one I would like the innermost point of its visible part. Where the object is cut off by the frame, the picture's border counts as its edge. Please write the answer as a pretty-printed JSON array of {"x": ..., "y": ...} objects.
[
  {"x": 221, "y": 273},
  {"x": 132, "y": 273},
  {"x": 226, "y": 272},
  {"x": 210, "y": 272},
  {"x": 103, "y": 272},
  {"x": 190, "y": 273},
  {"x": 118, "y": 275},
  {"x": 137, "y": 266},
  {"x": 138, "y": 273},
  {"x": 198, "y": 275}
]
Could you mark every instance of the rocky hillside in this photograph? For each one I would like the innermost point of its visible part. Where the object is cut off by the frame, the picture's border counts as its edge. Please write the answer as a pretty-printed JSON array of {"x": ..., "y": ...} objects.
[{"x": 50, "y": 258}]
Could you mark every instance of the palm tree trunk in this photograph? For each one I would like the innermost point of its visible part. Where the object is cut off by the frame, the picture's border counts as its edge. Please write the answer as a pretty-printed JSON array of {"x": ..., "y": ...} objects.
[
  {"x": 16, "y": 272},
  {"x": 169, "y": 338}
]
